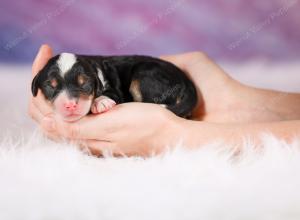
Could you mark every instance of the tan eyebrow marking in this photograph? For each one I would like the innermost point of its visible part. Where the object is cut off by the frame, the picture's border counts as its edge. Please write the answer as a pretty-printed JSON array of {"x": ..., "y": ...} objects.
[{"x": 81, "y": 79}]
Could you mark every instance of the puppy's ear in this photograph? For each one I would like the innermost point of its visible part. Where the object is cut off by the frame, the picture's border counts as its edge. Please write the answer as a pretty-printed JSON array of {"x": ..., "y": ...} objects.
[{"x": 35, "y": 85}]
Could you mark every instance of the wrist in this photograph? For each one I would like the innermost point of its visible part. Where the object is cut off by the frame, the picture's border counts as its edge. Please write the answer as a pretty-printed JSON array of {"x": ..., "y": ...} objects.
[
  {"x": 194, "y": 134},
  {"x": 169, "y": 133},
  {"x": 190, "y": 133}
]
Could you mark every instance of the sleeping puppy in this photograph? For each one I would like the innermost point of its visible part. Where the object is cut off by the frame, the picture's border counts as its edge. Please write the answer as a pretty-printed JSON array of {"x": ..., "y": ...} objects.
[{"x": 78, "y": 85}]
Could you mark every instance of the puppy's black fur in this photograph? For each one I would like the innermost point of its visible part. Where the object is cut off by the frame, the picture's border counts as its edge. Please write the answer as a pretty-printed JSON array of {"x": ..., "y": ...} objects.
[{"x": 127, "y": 79}]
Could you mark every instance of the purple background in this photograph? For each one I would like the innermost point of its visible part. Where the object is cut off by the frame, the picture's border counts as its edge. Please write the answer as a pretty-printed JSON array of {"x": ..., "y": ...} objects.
[{"x": 234, "y": 31}]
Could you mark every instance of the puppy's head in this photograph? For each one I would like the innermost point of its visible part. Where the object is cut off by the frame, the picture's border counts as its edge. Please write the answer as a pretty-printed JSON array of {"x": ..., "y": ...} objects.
[{"x": 70, "y": 83}]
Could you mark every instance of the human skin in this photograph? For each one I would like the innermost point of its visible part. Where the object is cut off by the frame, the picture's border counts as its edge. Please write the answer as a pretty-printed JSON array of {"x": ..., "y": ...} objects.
[{"x": 227, "y": 111}]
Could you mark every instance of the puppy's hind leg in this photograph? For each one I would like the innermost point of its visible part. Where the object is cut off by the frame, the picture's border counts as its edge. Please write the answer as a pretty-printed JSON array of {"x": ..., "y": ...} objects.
[{"x": 135, "y": 90}]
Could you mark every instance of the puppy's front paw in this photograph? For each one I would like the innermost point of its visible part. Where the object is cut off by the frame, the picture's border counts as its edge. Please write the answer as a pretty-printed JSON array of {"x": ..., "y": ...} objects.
[{"x": 102, "y": 104}]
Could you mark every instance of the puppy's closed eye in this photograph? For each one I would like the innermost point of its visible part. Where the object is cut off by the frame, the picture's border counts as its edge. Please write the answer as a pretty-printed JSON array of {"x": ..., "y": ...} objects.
[
  {"x": 85, "y": 84},
  {"x": 53, "y": 83}
]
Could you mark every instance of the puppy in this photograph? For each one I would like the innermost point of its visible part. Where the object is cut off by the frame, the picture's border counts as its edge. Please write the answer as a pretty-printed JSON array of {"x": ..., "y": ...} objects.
[{"x": 78, "y": 85}]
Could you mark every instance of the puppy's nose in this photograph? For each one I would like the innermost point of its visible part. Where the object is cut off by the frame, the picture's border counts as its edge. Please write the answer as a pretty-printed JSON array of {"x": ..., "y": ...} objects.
[{"x": 70, "y": 105}]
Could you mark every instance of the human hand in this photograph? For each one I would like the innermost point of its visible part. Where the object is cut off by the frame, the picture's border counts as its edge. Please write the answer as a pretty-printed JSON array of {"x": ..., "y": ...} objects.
[
  {"x": 127, "y": 129},
  {"x": 225, "y": 100},
  {"x": 218, "y": 93},
  {"x": 39, "y": 108},
  {"x": 122, "y": 130},
  {"x": 117, "y": 132}
]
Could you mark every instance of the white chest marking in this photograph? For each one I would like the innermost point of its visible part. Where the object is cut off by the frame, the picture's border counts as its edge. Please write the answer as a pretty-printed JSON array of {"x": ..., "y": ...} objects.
[
  {"x": 101, "y": 77},
  {"x": 65, "y": 62}
]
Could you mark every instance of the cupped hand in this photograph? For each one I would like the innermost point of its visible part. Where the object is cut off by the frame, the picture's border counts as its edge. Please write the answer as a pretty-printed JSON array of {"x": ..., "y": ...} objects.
[
  {"x": 219, "y": 95},
  {"x": 138, "y": 128},
  {"x": 39, "y": 108},
  {"x": 131, "y": 128},
  {"x": 127, "y": 129}
]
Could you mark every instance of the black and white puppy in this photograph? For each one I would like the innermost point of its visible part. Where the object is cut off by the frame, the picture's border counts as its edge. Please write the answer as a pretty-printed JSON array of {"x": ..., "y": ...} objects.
[{"x": 78, "y": 84}]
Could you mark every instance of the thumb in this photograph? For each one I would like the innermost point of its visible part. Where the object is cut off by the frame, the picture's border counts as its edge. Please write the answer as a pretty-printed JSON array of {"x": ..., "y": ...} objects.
[
  {"x": 175, "y": 59},
  {"x": 44, "y": 54}
]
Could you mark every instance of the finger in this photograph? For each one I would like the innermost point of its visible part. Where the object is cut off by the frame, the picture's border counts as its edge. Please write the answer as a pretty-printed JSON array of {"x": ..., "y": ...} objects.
[
  {"x": 52, "y": 136},
  {"x": 100, "y": 148},
  {"x": 42, "y": 104},
  {"x": 64, "y": 129},
  {"x": 75, "y": 130},
  {"x": 187, "y": 61},
  {"x": 105, "y": 148},
  {"x": 35, "y": 113},
  {"x": 46, "y": 124},
  {"x": 102, "y": 126},
  {"x": 44, "y": 54}
]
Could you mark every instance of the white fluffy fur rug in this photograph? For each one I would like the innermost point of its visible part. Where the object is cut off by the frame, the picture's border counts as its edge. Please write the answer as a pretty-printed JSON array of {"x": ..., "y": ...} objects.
[
  {"x": 40, "y": 179},
  {"x": 43, "y": 180}
]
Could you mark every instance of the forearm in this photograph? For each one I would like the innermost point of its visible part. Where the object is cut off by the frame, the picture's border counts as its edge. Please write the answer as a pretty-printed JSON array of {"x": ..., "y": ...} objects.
[
  {"x": 279, "y": 105},
  {"x": 195, "y": 133}
]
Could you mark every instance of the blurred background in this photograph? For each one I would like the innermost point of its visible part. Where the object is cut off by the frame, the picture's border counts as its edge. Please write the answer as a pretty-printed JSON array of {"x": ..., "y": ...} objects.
[
  {"x": 235, "y": 30},
  {"x": 256, "y": 42}
]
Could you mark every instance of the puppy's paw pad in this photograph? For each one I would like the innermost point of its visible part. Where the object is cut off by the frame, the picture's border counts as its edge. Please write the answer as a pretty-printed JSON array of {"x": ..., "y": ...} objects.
[{"x": 102, "y": 104}]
